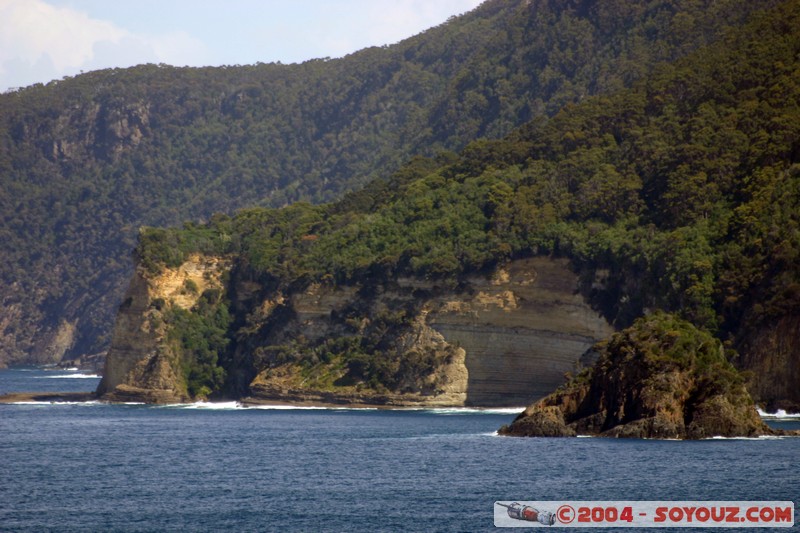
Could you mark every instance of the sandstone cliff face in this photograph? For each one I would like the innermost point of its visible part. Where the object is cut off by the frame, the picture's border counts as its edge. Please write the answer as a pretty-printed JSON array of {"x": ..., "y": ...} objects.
[
  {"x": 659, "y": 379},
  {"x": 446, "y": 385},
  {"x": 499, "y": 340},
  {"x": 522, "y": 330},
  {"x": 140, "y": 366}
]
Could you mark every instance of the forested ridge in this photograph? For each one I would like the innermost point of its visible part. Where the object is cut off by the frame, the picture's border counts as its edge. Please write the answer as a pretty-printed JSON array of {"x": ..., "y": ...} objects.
[
  {"x": 87, "y": 160},
  {"x": 681, "y": 194}
]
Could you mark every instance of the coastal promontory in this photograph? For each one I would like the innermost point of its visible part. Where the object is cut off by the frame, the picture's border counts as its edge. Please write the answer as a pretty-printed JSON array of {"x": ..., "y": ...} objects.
[{"x": 206, "y": 326}]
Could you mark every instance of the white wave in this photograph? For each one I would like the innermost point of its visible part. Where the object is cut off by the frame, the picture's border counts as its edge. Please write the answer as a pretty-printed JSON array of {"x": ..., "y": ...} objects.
[
  {"x": 308, "y": 408},
  {"x": 234, "y": 406},
  {"x": 762, "y": 437},
  {"x": 466, "y": 410},
  {"x": 441, "y": 436},
  {"x": 780, "y": 414},
  {"x": 642, "y": 438},
  {"x": 286, "y": 407},
  {"x": 432, "y": 410},
  {"x": 31, "y": 402},
  {"x": 218, "y": 406},
  {"x": 73, "y": 376}
]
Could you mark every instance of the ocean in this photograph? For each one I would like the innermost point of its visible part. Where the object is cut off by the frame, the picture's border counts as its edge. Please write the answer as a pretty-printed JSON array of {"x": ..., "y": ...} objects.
[{"x": 222, "y": 467}]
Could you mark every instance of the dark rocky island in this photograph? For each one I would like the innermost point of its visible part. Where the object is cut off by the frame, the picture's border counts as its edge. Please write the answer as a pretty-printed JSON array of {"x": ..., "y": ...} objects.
[{"x": 661, "y": 378}]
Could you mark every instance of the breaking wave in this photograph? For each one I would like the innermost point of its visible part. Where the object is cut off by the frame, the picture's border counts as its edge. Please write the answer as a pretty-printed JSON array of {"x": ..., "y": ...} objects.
[
  {"x": 73, "y": 376},
  {"x": 308, "y": 408},
  {"x": 466, "y": 410},
  {"x": 215, "y": 406},
  {"x": 36, "y": 402},
  {"x": 237, "y": 406},
  {"x": 234, "y": 406},
  {"x": 762, "y": 437},
  {"x": 219, "y": 406},
  {"x": 780, "y": 414}
]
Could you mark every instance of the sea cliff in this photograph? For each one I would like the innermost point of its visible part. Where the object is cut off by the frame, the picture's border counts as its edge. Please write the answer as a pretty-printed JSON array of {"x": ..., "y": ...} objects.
[
  {"x": 499, "y": 339},
  {"x": 142, "y": 365}
]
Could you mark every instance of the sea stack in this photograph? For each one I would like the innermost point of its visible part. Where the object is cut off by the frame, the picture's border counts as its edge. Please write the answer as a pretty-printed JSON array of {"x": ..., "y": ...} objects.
[{"x": 661, "y": 378}]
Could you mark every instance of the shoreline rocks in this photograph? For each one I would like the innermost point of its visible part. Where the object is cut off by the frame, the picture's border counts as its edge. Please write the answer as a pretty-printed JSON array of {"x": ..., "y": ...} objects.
[{"x": 52, "y": 397}]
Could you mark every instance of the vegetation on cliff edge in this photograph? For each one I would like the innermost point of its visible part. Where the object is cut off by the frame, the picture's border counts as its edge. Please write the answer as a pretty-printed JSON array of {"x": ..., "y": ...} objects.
[
  {"x": 85, "y": 161},
  {"x": 681, "y": 193}
]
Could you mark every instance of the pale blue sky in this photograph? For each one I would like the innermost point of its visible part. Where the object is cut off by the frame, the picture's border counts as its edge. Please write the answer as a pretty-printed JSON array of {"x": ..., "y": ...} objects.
[{"x": 41, "y": 40}]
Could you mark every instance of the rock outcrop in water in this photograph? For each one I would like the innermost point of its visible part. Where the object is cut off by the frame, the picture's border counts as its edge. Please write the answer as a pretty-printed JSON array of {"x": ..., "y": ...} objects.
[
  {"x": 495, "y": 340},
  {"x": 661, "y": 378}
]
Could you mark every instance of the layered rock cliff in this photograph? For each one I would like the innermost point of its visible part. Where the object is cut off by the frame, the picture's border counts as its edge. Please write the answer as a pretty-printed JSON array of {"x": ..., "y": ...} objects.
[
  {"x": 142, "y": 365},
  {"x": 661, "y": 378},
  {"x": 500, "y": 339}
]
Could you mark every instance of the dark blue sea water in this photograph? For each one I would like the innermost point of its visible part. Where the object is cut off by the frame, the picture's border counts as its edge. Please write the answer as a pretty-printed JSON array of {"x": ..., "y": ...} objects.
[{"x": 98, "y": 467}]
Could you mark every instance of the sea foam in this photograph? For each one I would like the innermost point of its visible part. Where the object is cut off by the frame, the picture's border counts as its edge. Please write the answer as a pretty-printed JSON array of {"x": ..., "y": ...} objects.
[
  {"x": 34, "y": 402},
  {"x": 466, "y": 410},
  {"x": 761, "y": 437},
  {"x": 308, "y": 408},
  {"x": 780, "y": 414},
  {"x": 234, "y": 405},
  {"x": 73, "y": 376},
  {"x": 216, "y": 406}
]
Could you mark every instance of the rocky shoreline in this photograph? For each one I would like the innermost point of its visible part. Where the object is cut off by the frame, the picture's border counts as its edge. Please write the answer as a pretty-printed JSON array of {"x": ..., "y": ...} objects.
[
  {"x": 541, "y": 422},
  {"x": 321, "y": 401},
  {"x": 52, "y": 397}
]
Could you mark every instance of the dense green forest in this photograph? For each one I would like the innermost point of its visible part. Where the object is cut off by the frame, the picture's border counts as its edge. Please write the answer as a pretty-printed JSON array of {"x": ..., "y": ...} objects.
[
  {"x": 682, "y": 191},
  {"x": 85, "y": 161}
]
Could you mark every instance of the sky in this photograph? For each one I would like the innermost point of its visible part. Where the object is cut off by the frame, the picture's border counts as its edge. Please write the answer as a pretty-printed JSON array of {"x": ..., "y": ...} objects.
[{"x": 43, "y": 40}]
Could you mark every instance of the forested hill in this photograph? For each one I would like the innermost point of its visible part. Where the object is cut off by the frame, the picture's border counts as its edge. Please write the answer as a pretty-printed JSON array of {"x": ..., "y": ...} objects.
[
  {"x": 85, "y": 161},
  {"x": 680, "y": 194}
]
